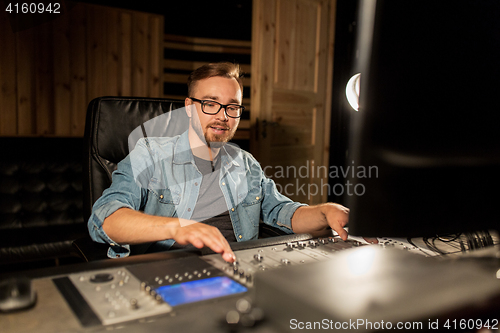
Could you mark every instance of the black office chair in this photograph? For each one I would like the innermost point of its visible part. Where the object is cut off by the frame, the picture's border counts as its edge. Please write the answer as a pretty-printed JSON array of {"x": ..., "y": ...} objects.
[{"x": 113, "y": 125}]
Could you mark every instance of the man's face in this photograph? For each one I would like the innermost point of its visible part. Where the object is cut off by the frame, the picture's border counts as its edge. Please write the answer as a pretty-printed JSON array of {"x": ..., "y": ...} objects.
[{"x": 218, "y": 127}]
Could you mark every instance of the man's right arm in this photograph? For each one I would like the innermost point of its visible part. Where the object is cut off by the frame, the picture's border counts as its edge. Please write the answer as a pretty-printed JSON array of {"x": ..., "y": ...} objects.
[{"x": 127, "y": 226}]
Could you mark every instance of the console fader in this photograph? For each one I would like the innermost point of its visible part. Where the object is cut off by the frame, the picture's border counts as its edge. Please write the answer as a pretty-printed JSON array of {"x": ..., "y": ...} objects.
[{"x": 251, "y": 261}]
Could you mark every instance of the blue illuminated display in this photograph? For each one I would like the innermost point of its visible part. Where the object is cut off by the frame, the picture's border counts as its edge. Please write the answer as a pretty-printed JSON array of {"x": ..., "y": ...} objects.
[{"x": 194, "y": 291}]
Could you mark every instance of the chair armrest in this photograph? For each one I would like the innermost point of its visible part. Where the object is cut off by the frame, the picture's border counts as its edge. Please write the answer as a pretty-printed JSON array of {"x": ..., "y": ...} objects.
[{"x": 89, "y": 250}]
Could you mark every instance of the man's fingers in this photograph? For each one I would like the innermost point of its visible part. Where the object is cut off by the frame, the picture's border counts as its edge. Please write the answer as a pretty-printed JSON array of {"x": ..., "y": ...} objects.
[
  {"x": 201, "y": 235},
  {"x": 222, "y": 246},
  {"x": 342, "y": 233},
  {"x": 371, "y": 240},
  {"x": 229, "y": 256}
]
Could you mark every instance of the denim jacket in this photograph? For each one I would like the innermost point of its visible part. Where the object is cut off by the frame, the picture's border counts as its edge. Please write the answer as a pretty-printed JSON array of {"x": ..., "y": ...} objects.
[{"x": 159, "y": 177}]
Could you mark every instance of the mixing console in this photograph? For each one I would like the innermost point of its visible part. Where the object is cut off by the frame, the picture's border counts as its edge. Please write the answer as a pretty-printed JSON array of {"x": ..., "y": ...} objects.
[
  {"x": 169, "y": 289},
  {"x": 112, "y": 296}
]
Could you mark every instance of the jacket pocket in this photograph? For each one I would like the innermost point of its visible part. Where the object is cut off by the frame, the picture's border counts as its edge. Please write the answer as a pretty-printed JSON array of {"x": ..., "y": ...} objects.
[
  {"x": 162, "y": 203},
  {"x": 166, "y": 196},
  {"x": 253, "y": 197}
]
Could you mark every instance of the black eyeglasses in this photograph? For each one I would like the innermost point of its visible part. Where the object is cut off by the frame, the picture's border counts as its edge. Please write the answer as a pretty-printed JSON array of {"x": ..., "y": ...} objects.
[{"x": 213, "y": 107}]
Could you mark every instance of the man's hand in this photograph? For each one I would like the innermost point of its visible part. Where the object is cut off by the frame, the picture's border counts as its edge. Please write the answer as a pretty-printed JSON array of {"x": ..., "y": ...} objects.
[
  {"x": 336, "y": 217},
  {"x": 201, "y": 235},
  {"x": 316, "y": 219}
]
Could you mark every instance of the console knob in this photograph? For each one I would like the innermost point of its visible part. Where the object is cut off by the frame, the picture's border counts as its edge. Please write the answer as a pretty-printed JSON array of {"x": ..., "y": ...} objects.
[
  {"x": 134, "y": 305},
  {"x": 258, "y": 257},
  {"x": 101, "y": 278}
]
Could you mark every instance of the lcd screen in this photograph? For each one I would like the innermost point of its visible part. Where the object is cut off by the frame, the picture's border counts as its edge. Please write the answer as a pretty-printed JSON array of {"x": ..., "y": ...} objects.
[{"x": 194, "y": 291}]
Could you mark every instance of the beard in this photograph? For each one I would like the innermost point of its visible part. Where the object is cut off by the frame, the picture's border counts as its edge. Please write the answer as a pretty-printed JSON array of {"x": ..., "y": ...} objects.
[
  {"x": 218, "y": 140},
  {"x": 214, "y": 140}
]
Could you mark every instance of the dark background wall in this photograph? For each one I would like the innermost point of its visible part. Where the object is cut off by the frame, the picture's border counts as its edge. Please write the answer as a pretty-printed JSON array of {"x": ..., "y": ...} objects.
[
  {"x": 345, "y": 30},
  {"x": 225, "y": 19}
]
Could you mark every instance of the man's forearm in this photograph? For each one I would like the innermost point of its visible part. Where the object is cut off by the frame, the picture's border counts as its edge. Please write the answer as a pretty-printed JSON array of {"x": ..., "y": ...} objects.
[
  {"x": 307, "y": 219},
  {"x": 127, "y": 226}
]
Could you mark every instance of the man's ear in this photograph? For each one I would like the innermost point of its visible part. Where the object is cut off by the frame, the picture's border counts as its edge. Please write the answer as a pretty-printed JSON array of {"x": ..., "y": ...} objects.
[{"x": 188, "y": 104}]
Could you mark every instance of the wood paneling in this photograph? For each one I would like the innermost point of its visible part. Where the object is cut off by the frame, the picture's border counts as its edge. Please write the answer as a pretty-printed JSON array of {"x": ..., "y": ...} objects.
[
  {"x": 185, "y": 54},
  {"x": 8, "y": 79},
  {"x": 62, "y": 76},
  {"x": 78, "y": 70},
  {"x": 25, "y": 62},
  {"x": 297, "y": 49},
  {"x": 126, "y": 47},
  {"x": 49, "y": 73},
  {"x": 156, "y": 32},
  {"x": 292, "y": 52}
]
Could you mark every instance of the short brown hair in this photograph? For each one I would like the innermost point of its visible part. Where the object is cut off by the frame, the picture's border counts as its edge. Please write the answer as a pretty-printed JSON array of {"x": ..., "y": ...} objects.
[{"x": 225, "y": 69}]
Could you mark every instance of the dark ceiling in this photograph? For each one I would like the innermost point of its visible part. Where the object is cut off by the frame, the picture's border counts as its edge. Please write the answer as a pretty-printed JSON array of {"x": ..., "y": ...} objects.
[{"x": 225, "y": 19}]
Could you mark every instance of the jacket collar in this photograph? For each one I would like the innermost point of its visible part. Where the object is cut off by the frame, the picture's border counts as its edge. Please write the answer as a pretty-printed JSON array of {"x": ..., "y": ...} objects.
[{"x": 182, "y": 150}]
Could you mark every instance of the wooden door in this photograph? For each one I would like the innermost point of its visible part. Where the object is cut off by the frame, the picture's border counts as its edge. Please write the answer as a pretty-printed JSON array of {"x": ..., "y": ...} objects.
[{"x": 292, "y": 67}]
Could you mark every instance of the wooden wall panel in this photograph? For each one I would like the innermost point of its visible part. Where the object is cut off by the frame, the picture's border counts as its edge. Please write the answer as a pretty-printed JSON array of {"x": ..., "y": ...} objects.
[
  {"x": 62, "y": 76},
  {"x": 50, "y": 72},
  {"x": 26, "y": 116},
  {"x": 156, "y": 32},
  {"x": 184, "y": 54},
  {"x": 126, "y": 54},
  {"x": 307, "y": 44},
  {"x": 44, "y": 80},
  {"x": 96, "y": 44},
  {"x": 295, "y": 61},
  {"x": 112, "y": 52},
  {"x": 8, "y": 103},
  {"x": 140, "y": 63},
  {"x": 78, "y": 70}
]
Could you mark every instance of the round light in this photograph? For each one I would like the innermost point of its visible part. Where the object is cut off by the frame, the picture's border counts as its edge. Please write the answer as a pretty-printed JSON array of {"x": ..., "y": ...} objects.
[{"x": 352, "y": 91}]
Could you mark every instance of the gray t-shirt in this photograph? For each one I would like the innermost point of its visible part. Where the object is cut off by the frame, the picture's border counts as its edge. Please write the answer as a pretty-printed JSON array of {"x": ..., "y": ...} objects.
[
  {"x": 210, "y": 201},
  {"x": 211, "y": 207}
]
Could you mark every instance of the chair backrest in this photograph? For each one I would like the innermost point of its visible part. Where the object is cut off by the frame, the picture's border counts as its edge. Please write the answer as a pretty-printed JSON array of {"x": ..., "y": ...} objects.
[{"x": 113, "y": 125}]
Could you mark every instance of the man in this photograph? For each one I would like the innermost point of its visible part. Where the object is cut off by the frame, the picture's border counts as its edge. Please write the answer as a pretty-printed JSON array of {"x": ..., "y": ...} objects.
[{"x": 195, "y": 189}]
